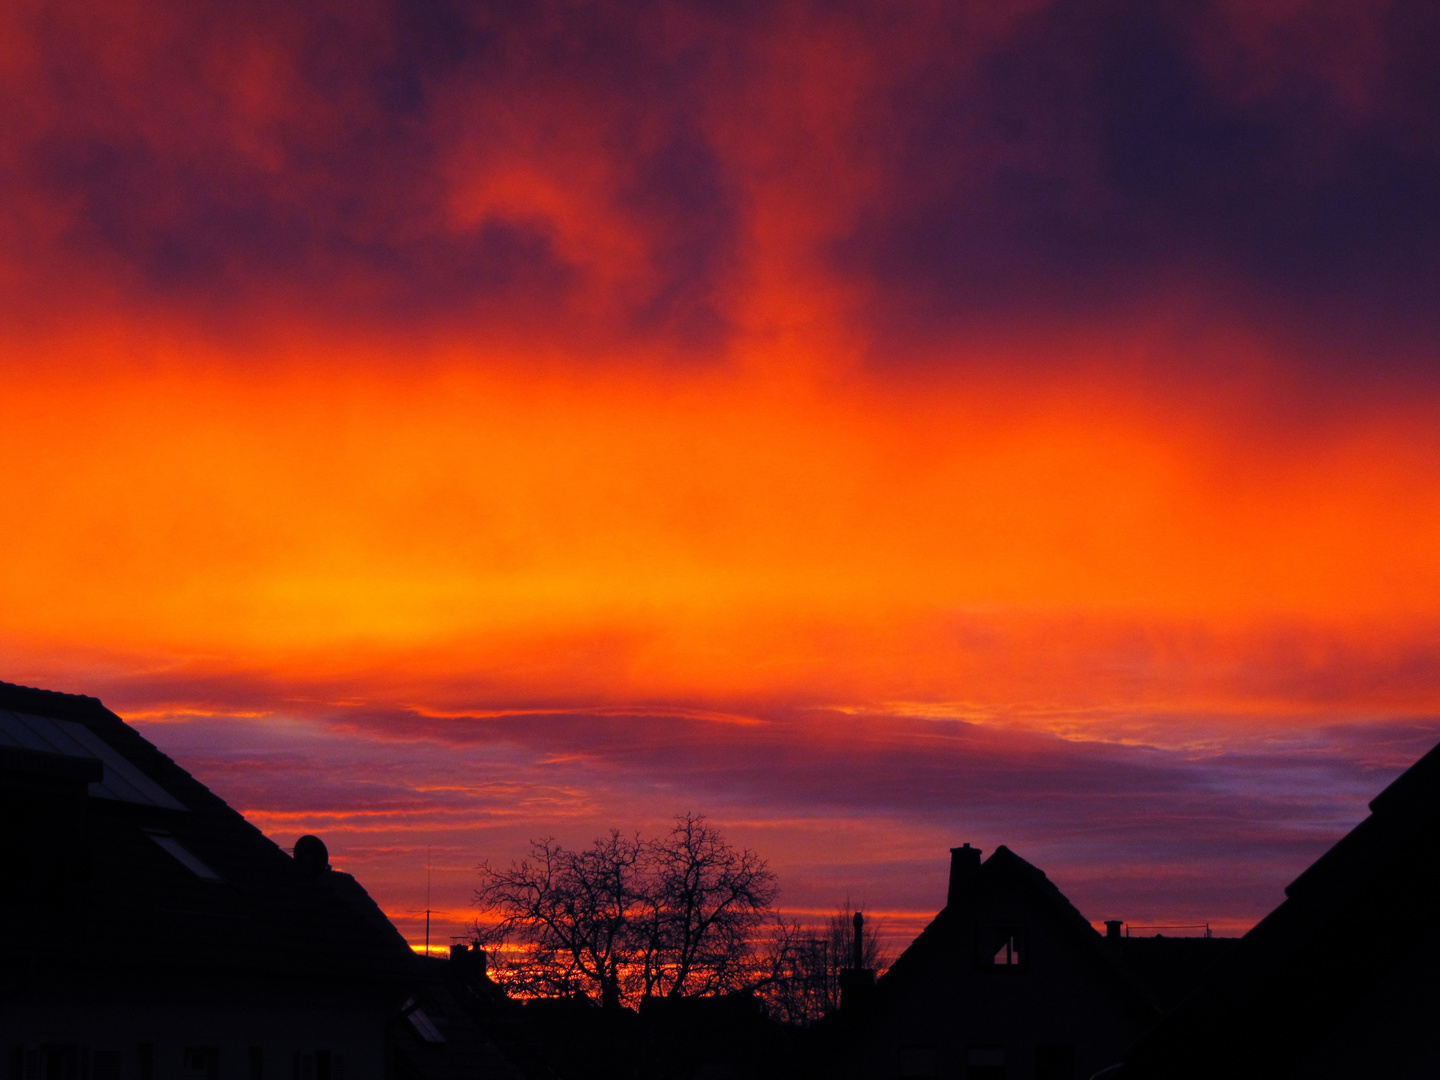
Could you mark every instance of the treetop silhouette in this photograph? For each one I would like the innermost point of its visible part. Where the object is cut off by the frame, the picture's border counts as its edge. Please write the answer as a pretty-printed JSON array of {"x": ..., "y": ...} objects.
[{"x": 680, "y": 915}]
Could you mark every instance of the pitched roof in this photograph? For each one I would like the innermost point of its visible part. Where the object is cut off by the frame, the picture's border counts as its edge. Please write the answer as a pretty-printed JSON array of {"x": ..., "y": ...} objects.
[
  {"x": 178, "y": 879},
  {"x": 1346, "y": 925},
  {"x": 1005, "y": 868}
]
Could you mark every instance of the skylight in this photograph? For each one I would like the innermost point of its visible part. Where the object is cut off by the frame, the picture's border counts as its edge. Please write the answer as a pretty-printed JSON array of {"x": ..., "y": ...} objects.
[
  {"x": 123, "y": 780},
  {"x": 183, "y": 855}
]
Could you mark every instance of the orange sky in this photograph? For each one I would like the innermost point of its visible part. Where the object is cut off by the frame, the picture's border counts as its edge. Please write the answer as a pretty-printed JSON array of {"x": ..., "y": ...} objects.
[
  {"x": 396, "y": 555},
  {"x": 728, "y": 532},
  {"x": 879, "y": 427}
]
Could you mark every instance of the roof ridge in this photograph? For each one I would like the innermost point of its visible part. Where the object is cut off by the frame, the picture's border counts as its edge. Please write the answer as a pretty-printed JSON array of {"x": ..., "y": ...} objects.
[
  {"x": 1041, "y": 879},
  {"x": 153, "y": 908},
  {"x": 19, "y": 696},
  {"x": 1067, "y": 911},
  {"x": 1415, "y": 785}
]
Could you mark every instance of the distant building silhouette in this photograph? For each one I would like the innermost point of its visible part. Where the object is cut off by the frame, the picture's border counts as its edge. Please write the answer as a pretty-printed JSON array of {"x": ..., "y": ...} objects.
[
  {"x": 1343, "y": 978},
  {"x": 149, "y": 932},
  {"x": 1009, "y": 982}
]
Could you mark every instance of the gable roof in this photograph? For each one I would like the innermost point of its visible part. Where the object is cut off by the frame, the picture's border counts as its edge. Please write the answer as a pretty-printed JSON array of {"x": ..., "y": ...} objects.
[
  {"x": 177, "y": 878},
  {"x": 1005, "y": 870},
  {"x": 1318, "y": 956}
]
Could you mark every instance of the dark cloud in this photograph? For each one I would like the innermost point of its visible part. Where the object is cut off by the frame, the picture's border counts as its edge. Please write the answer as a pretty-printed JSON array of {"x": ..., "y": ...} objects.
[
  {"x": 1149, "y": 815},
  {"x": 311, "y": 166},
  {"x": 595, "y": 174},
  {"x": 1129, "y": 828},
  {"x": 1100, "y": 156}
]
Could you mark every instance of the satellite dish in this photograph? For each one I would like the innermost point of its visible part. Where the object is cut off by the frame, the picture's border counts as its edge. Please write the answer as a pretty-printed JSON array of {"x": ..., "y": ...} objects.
[{"x": 311, "y": 855}]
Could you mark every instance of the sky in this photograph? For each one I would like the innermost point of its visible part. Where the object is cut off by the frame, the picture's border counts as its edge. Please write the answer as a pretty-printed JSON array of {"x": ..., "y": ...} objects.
[{"x": 875, "y": 426}]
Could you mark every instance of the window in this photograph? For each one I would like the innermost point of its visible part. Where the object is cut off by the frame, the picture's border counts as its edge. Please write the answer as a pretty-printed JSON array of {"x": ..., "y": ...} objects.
[
  {"x": 105, "y": 1065},
  {"x": 53, "y": 1061},
  {"x": 122, "y": 779},
  {"x": 1008, "y": 955},
  {"x": 1002, "y": 948},
  {"x": 200, "y": 1063},
  {"x": 61, "y": 1062},
  {"x": 918, "y": 1063},
  {"x": 423, "y": 1025},
  {"x": 183, "y": 855},
  {"x": 985, "y": 1063},
  {"x": 1055, "y": 1061}
]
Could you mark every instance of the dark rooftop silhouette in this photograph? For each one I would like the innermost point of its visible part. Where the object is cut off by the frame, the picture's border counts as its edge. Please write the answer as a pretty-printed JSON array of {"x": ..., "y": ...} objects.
[
  {"x": 1339, "y": 980},
  {"x": 1009, "y": 979},
  {"x": 150, "y": 931}
]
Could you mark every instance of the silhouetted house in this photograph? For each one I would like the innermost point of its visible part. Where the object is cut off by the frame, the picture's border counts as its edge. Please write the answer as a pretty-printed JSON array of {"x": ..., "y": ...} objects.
[
  {"x": 1343, "y": 978},
  {"x": 1008, "y": 981},
  {"x": 149, "y": 932},
  {"x": 1170, "y": 968},
  {"x": 458, "y": 1002}
]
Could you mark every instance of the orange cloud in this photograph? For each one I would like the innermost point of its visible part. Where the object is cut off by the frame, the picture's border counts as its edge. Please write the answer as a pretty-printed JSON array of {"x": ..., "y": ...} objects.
[{"x": 633, "y": 535}]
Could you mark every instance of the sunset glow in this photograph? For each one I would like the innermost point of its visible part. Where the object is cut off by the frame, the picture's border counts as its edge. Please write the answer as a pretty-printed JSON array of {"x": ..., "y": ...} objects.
[{"x": 435, "y": 435}]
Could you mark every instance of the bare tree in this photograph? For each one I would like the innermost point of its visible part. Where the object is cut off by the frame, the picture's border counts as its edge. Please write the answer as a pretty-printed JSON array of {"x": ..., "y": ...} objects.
[
  {"x": 679, "y": 916},
  {"x": 569, "y": 912},
  {"x": 796, "y": 960},
  {"x": 706, "y": 904},
  {"x": 809, "y": 960}
]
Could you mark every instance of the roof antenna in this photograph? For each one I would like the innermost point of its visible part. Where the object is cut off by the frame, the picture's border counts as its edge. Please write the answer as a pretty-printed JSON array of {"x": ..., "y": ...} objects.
[{"x": 427, "y": 900}]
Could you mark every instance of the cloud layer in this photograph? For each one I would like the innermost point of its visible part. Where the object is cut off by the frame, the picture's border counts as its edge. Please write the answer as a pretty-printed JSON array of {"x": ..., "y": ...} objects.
[
  {"x": 683, "y": 178},
  {"x": 843, "y": 804},
  {"x": 878, "y": 426}
]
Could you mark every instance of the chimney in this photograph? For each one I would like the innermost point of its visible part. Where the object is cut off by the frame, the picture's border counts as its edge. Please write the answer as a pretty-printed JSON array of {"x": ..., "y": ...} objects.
[
  {"x": 469, "y": 959},
  {"x": 964, "y": 872},
  {"x": 1112, "y": 929},
  {"x": 857, "y": 982}
]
